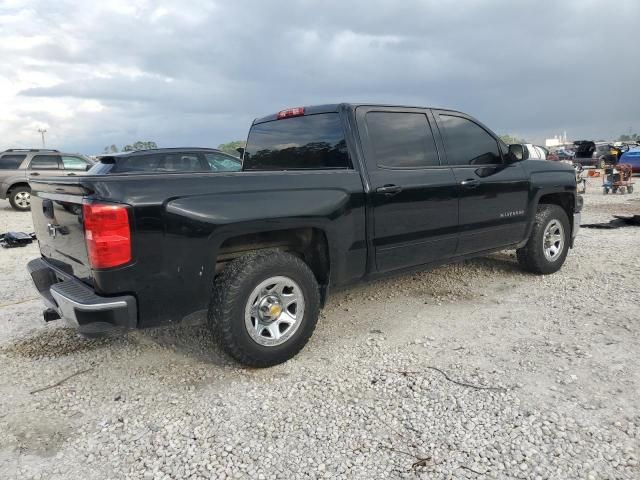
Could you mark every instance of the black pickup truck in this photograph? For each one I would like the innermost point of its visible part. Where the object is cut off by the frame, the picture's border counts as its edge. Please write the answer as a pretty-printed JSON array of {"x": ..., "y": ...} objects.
[{"x": 327, "y": 196}]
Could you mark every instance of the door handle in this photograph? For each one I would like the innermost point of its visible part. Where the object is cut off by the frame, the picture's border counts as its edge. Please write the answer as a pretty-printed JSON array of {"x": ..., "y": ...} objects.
[
  {"x": 470, "y": 183},
  {"x": 34, "y": 174},
  {"x": 71, "y": 174},
  {"x": 389, "y": 190}
]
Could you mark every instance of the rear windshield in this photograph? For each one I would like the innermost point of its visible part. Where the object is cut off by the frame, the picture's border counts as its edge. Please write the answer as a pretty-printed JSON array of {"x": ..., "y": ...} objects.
[
  {"x": 11, "y": 162},
  {"x": 311, "y": 142},
  {"x": 168, "y": 162}
]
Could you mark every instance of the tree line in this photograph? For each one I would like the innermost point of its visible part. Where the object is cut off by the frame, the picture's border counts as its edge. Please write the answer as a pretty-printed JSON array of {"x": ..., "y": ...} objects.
[
  {"x": 633, "y": 137},
  {"x": 134, "y": 147}
]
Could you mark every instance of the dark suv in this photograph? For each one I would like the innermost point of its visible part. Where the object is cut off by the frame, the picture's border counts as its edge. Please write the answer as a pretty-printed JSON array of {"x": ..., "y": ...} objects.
[
  {"x": 18, "y": 165},
  {"x": 592, "y": 154}
]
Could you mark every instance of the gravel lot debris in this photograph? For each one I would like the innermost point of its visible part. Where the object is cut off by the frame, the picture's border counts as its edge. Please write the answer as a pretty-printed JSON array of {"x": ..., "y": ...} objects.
[{"x": 473, "y": 370}]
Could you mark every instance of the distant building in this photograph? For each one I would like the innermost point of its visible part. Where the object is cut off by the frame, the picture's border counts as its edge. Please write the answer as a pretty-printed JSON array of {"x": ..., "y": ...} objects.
[{"x": 557, "y": 140}]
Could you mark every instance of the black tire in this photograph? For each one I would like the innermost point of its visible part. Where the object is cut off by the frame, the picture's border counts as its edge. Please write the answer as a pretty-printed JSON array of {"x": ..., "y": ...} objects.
[
  {"x": 532, "y": 256},
  {"x": 603, "y": 164},
  {"x": 16, "y": 198},
  {"x": 230, "y": 296},
  {"x": 630, "y": 189}
]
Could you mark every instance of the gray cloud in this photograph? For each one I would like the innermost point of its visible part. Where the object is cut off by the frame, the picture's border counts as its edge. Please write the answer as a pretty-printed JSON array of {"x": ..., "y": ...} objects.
[{"x": 196, "y": 72}]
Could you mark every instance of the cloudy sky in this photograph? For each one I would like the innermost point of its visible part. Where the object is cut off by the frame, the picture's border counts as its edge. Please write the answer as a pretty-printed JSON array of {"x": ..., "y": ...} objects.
[{"x": 195, "y": 73}]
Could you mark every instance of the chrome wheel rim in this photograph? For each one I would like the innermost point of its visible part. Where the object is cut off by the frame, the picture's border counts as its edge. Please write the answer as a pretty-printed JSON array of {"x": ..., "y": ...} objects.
[
  {"x": 553, "y": 240},
  {"x": 274, "y": 311},
  {"x": 22, "y": 199}
]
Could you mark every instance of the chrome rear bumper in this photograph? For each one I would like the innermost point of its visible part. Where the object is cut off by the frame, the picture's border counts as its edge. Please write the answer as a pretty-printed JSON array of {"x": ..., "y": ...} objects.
[{"x": 78, "y": 304}]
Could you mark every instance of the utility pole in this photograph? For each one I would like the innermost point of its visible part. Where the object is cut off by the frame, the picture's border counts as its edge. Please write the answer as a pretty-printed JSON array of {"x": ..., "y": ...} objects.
[{"x": 42, "y": 132}]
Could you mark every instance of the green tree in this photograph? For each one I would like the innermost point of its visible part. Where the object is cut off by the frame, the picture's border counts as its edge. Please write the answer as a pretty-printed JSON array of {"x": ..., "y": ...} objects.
[
  {"x": 110, "y": 149},
  {"x": 232, "y": 147},
  {"x": 634, "y": 137},
  {"x": 139, "y": 145},
  {"x": 509, "y": 139}
]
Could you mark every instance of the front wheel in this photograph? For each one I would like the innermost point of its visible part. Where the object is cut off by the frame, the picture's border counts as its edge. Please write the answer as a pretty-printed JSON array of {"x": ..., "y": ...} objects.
[
  {"x": 548, "y": 244},
  {"x": 20, "y": 198},
  {"x": 264, "y": 308}
]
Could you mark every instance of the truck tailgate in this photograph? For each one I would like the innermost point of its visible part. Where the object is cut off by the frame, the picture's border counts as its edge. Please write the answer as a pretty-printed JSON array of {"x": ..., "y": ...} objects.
[{"x": 57, "y": 218}]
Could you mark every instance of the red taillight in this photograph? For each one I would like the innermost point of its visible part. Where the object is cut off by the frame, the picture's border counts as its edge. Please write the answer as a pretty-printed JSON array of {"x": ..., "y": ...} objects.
[
  {"x": 291, "y": 112},
  {"x": 107, "y": 233}
]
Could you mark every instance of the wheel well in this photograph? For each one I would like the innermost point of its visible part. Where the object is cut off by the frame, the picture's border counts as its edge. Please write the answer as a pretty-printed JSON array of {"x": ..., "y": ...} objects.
[
  {"x": 19, "y": 184},
  {"x": 563, "y": 200},
  {"x": 310, "y": 244}
]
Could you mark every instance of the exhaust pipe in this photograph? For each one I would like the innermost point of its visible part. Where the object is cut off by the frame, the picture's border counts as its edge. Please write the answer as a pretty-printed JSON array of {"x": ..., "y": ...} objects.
[{"x": 50, "y": 314}]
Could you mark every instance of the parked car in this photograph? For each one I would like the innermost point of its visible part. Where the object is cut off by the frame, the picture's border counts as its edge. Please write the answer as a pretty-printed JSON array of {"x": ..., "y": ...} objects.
[
  {"x": 18, "y": 165},
  {"x": 167, "y": 160},
  {"x": 536, "y": 152},
  {"x": 561, "y": 154},
  {"x": 632, "y": 157},
  {"x": 328, "y": 196}
]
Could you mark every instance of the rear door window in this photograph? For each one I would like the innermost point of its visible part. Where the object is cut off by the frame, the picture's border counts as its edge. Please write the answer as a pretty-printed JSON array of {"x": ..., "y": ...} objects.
[
  {"x": 467, "y": 143},
  {"x": 219, "y": 162},
  {"x": 138, "y": 163},
  {"x": 45, "y": 162},
  {"x": 180, "y": 162},
  {"x": 401, "y": 140},
  {"x": 11, "y": 162},
  {"x": 73, "y": 163},
  {"x": 310, "y": 142}
]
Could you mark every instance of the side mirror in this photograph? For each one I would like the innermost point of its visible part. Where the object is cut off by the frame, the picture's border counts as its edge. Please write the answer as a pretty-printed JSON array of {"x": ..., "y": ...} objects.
[
  {"x": 88, "y": 167},
  {"x": 518, "y": 152},
  {"x": 240, "y": 150}
]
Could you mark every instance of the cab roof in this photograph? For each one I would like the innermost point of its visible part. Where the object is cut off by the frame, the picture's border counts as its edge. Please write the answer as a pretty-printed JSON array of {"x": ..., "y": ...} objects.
[{"x": 336, "y": 107}]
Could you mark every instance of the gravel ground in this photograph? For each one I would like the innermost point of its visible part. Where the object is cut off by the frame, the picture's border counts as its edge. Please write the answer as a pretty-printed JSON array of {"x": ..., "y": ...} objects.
[{"x": 474, "y": 370}]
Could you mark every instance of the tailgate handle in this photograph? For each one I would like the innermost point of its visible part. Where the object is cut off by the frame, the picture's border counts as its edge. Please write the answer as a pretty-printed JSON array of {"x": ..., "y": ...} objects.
[
  {"x": 470, "y": 183},
  {"x": 389, "y": 190}
]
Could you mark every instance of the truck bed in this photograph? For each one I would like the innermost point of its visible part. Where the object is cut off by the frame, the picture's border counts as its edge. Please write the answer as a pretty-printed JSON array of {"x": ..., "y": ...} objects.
[{"x": 179, "y": 222}]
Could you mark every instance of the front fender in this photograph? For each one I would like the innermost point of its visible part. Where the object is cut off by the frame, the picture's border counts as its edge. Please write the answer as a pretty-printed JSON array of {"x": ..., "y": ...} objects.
[{"x": 555, "y": 183}]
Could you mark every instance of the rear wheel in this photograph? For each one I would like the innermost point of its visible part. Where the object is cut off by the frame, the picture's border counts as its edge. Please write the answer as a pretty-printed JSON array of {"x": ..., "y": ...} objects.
[
  {"x": 630, "y": 189},
  {"x": 548, "y": 244},
  {"x": 264, "y": 308},
  {"x": 20, "y": 198}
]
